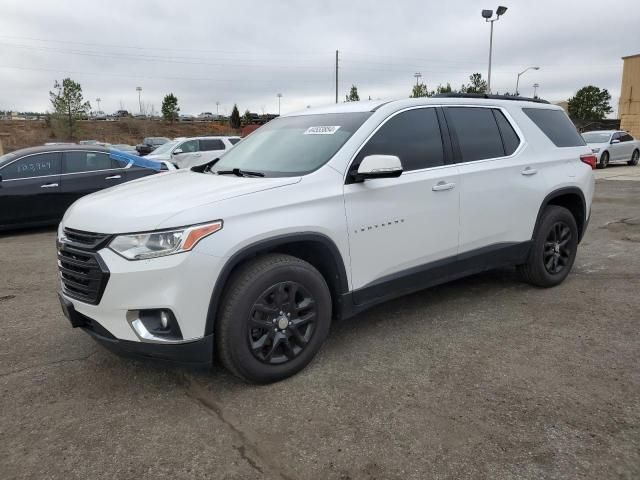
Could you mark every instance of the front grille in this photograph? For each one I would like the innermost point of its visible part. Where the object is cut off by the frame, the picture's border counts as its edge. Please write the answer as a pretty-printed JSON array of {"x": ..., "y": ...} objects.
[{"x": 83, "y": 274}]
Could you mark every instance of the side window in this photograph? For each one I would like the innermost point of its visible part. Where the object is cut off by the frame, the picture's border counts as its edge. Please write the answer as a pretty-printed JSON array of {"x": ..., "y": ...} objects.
[
  {"x": 234, "y": 140},
  {"x": 556, "y": 126},
  {"x": 510, "y": 138},
  {"x": 189, "y": 146},
  {"x": 413, "y": 136},
  {"x": 208, "y": 145},
  {"x": 615, "y": 136},
  {"x": 79, "y": 161},
  {"x": 625, "y": 137},
  {"x": 32, "y": 166},
  {"x": 477, "y": 133}
]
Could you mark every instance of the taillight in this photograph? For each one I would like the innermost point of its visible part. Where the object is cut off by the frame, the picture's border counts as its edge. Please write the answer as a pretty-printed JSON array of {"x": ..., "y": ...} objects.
[{"x": 590, "y": 159}]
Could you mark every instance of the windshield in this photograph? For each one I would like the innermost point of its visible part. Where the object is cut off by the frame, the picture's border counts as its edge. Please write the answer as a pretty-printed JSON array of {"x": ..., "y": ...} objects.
[
  {"x": 596, "y": 137},
  {"x": 165, "y": 148},
  {"x": 291, "y": 146}
]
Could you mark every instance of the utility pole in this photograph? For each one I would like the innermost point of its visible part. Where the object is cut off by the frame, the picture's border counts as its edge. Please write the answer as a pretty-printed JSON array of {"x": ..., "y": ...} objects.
[
  {"x": 279, "y": 95},
  {"x": 418, "y": 76},
  {"x": 139, "y": 90},
  {"x": 336, "y": 76}
]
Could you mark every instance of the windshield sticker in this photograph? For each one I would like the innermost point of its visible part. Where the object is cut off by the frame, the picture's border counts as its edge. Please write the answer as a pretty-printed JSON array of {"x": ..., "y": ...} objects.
[{"x": 325, "y": 130}]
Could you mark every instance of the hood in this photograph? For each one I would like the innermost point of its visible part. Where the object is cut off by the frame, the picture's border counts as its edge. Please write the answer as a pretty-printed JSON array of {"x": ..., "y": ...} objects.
[
  {"x": 143, "y": 204},
  {"x": 158, "y": 157}
]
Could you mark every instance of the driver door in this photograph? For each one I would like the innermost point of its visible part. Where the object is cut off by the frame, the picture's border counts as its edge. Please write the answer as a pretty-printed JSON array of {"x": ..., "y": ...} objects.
[
  {"x": 398, "y": 227},
  {"x": 186, "y": 154}
]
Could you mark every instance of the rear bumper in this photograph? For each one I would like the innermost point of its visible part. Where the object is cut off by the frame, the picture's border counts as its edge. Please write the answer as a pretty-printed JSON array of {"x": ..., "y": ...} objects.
[{"x": 196, "y": 353}]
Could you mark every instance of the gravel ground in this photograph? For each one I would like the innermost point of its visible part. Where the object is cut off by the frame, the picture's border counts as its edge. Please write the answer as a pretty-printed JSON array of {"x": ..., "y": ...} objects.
[{"x": 480, "y": 378}]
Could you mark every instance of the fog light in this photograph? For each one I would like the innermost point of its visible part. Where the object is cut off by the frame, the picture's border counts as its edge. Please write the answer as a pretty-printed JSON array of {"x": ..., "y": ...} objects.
[{"x": 156, "y": 325}]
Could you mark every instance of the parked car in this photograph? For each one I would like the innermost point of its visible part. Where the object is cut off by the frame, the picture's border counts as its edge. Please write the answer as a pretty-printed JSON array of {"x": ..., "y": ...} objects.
[
  {"x": 187, "y": 118},
  {"x": 38, "y": 184},
  {"x": 206, "y": 117},
  {"x": 121, "y": 113},
  {"x": 126, "y": 148},
  {"x": 319, "y": 215},
  {"x": 99, "y": 115},
  {"x": 613, "y": 146},
  {"x": 149, "y": 144},
  {"x": 192, "y": 152}
]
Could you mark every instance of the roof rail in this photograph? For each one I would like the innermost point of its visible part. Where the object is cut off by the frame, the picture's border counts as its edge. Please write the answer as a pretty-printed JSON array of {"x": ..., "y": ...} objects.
[{"x": 491, "y": 97}]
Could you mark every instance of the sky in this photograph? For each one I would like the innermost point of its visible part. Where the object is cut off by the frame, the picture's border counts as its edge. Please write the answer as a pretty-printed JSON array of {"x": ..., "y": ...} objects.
[{"x": 247, "y": 51}]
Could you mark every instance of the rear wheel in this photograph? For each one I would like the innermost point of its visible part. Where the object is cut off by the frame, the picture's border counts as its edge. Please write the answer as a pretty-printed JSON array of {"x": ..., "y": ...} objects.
[
  {"x": 276, "y": 315},
  {"x": 554, "y": 248},
  {"x": 634, "y": 158},
  {"x": 604, "y": 160}
]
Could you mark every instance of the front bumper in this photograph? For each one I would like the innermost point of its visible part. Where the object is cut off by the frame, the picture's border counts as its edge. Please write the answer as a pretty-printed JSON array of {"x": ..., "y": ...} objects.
[{"x": 197, "y": 353}]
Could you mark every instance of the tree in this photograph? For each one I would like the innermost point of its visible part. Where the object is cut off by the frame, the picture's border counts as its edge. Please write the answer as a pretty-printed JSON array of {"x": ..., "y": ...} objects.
[
  {"x": 170, "y": 107},
  {"x": 68, "y": 105},
  {"x": 419, "y": 90},
  {"x": 234, "y": 119},
  {"x": 353, "y": 94},
  {"x": 444, "y": 89},
  {"x": 477, "y": 85},
  {"x": 590, "y": 103}
]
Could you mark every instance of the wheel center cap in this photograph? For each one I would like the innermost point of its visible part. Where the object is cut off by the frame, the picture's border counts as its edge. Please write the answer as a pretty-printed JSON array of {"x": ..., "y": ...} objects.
[
  {"x": 283, "y": 322},
  {"x": 556, "y": 248}
]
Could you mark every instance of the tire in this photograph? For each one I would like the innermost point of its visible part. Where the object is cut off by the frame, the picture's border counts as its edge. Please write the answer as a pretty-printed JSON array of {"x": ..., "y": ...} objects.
[
  {"x": 634, "y": 158},
  {"x": 604, "y": 160},
  {"x": 554, "y": 249},
  {"x": 253, "y": 319}
]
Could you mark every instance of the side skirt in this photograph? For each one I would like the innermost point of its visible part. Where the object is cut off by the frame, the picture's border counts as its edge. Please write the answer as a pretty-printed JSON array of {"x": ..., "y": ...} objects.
[{"x": 434, "y": 273}]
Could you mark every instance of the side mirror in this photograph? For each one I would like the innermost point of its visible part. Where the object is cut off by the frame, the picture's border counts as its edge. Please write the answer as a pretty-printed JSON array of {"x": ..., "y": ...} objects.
[
  {"x": 615, "y": 141},
  {"x": 177, "y": 151},
  {"x": 378, "y": 166}
]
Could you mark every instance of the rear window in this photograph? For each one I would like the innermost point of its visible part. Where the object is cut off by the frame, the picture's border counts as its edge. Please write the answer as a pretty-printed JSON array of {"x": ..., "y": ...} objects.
[
  {"x": 477, "y": 132},
  {"x": 556, "y": 126},
  {"x": 208, "y": 145}
]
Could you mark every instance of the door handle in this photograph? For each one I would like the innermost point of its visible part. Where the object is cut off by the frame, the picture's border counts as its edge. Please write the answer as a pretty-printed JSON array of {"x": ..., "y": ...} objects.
[
  {"x": 529, "y": 171},
  {"x": 442, "y": 186},
  {"x": 49, "y": 185},
  {"x": 113, "y": 177}
]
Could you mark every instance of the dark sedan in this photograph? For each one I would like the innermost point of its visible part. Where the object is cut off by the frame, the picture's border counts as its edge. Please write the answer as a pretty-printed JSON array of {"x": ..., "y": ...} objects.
[
  {"x": 149, "y": 144},
  {"x": 38, "y": 184}
]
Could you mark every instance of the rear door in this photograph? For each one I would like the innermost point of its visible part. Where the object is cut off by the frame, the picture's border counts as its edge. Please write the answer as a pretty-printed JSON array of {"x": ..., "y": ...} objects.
[
  {"x": 85, "y": 171},
  {"x": 30, "y": 190},
  {"x": 210, "y": 148},
  {"x": 500, "y": 188}
]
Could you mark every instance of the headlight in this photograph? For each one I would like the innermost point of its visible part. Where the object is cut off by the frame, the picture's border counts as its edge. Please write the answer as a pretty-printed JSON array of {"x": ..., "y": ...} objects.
[
  {"x": 140, "y": 246},
  {"x": 595, "y": 150}
]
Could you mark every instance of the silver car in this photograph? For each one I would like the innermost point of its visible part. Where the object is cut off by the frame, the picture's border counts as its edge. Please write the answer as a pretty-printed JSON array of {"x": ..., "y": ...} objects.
[{"x": 613, "y": 146}]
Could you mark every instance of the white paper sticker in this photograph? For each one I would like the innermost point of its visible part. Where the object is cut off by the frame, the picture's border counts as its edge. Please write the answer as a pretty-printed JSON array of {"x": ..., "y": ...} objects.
[{"x": 324, "y": 130}]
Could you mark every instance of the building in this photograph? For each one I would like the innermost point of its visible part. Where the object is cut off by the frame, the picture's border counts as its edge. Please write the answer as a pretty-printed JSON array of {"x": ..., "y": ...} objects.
[{"x": 629, "y": 104}]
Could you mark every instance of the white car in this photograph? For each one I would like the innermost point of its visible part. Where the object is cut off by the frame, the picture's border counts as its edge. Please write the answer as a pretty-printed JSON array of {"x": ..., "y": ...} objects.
[
  {"x": 319, "y": 215},
  {"x": 613, "y": 146},
  {"x": 193, "y": 152}
]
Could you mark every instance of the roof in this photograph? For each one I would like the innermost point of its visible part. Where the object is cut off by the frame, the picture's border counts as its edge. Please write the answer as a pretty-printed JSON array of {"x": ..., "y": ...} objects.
[
  {"x": 60, "y": 148},
  {"x": 446, "y": 99},
  {"x": 631, "y": 56}
]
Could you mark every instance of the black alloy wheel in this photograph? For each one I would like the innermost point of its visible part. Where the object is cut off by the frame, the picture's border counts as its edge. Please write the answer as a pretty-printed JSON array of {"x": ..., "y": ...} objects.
[
  {"x": 604, "y": 160},
  {"x": 634, "y": 158},
  {"x": 557, "y": 248},
  {"x": 282, "y": 322}
]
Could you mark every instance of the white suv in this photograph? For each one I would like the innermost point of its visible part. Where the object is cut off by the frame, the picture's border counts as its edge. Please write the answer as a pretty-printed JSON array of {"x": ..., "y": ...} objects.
[
  {"x": 317, "y": 216},
  {"x": 191, "y": 152}
]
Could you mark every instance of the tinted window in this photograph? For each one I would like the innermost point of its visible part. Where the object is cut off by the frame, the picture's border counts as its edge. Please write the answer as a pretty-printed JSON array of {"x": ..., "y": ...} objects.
[
  {"x": 32, "y": 166},
  {"x": 477, "y": 132},
  {"x": 189, "y": 146},
  {"x": 76, "y": 162},
  {"x": 510, "y": 138},
  {"x": 207, "y": 145},
  {"x": 625, "y": 137},
  {"x": 234, "y": 140},
  {"x": 556, "y": 126},
  {"x": 413, "y": 136}
]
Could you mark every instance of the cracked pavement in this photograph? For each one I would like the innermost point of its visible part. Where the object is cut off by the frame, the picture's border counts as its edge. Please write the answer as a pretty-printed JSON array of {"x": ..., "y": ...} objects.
[{"x": 480, "y": 378}]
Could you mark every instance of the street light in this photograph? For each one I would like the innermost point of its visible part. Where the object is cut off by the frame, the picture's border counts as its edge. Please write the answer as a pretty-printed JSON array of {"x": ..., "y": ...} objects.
[
  {"x": 487, "y": 15},
  {"x": 418, "y": 76},
  {"x": 139, "y": 90},
  {"x": 518, "y": 80},
  {"x": 217, "y": 107},
  {"x": 279, "y": 95},
  {"x": 535, "y": 90},
  {"x": 98, "y": 100}
]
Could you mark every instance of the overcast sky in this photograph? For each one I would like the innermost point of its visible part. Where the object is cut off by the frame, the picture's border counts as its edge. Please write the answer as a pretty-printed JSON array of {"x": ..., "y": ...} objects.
[{"x": 247, "y": 51}]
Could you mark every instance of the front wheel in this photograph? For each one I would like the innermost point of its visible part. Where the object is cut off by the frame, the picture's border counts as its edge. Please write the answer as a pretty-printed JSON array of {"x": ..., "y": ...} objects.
[
  {"x": 634, "y": 158},
  {"x": 276, "y": 314},
  {"x": 604, "y": 160},
  {"x": 554, "y": 248}
]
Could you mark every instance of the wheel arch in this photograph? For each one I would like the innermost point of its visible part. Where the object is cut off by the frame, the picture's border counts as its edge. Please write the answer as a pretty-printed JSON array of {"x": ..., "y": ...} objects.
[
  {"x": 316, "y": 248},
  {"x": 573, "y": 200}
]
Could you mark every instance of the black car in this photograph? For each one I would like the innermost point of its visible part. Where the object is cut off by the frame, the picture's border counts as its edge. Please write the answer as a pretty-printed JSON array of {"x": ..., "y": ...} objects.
[
  {"x": 149, "y": 144},
  {"x": 38, "y": 184}
]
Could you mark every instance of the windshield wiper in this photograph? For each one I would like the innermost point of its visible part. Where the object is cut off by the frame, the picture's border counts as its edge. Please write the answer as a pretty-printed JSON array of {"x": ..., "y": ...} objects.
[{"x": 240, "y": 173}]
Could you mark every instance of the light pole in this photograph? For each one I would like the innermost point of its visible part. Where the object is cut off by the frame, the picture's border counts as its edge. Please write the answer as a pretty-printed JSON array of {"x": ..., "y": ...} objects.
[
  {"x": 98, "y": 100},
  {"x": 535, "y": 90},
  {"x": 139, "y": 90},
  {"x": 217, "y": 106},
  {"x": 279, "y": 95},
  {"x": 418, "y": 76},
  {"x": 518, "y": 80},
  {"x": 487, "y": 15}
]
